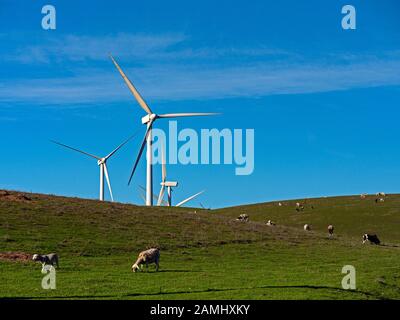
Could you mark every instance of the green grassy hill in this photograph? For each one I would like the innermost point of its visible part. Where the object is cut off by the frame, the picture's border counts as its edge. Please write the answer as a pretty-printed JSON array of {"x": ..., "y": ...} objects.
[
  {"x": 351, "y": 215},
  {"x": 204, "y": 254}
]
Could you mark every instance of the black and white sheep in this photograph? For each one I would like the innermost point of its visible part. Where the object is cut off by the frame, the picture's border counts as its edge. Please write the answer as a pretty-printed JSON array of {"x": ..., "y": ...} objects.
[{"x": 46, "y": 259}]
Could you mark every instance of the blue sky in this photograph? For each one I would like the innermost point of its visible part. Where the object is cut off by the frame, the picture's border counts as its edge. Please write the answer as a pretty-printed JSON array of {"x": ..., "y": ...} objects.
[{"x": 323, "y": 101}]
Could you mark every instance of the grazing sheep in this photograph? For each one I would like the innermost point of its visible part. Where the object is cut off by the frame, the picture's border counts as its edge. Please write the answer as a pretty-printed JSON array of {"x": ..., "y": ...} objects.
[
  {"x": 243, "y": 217},
  {"x": 307, "y": 227},
  {"x": 146, "y": 257},
  {"x": 270, "y": 223},
  {"x": 379, "y": 200},
  {"x": 280, "y": 204},
  {"x": 372, "y": 238},
  {"x": 381, "y": 194},
  {"x": 46, "y": 259},
  {"x": 330, "y": 230},
  {"x": 363, "y": 195},
  {"x": 299, "y": 206}
]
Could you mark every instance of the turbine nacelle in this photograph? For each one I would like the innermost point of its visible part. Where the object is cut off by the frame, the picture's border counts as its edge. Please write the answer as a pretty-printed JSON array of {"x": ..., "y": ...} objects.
[
  {"x": 169, "y": 183},
  {"x": 101, "y": 161},
  {"x": 148, "y": 117}
]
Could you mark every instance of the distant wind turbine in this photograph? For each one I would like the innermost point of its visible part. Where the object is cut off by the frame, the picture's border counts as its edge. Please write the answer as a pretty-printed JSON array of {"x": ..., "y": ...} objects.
[
  {"x": 102, "y": 163},
  {"x": 142, "y": 193},
  {"x": 169, "y": 185},
  {"x": 149, "y": 119},
  {"x": 203, "y": 207}
]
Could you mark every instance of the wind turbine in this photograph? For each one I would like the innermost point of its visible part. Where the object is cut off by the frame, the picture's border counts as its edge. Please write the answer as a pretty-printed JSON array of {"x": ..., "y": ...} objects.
[
  {"x": 203, "y": 207},
  {"x": 148, "y": 120},
  {"x": 102, "y": 163},
  {"x": 142, "y": 194},
  {"x": 169, "y": 185}
]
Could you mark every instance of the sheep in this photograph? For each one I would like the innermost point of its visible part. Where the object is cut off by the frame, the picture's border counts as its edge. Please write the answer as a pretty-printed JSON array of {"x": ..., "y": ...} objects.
[
  {"x": 270, "y": 223},
  {"x": 380, "y": 194},
  {"x": 243, "y": 217},
  {"x": 280, "y": 204},
  {"x": 146, "y": 257},
  {"x": 299, "y": 206},
  {"x": 307, "y": 227},
  {"x": 330, "y": 230},
  {"x": 363, "y": 195},
  {"x": 379, "y": 200},
  {"x": 372, "y": 238},
  {"x": 46, "y": 259}
]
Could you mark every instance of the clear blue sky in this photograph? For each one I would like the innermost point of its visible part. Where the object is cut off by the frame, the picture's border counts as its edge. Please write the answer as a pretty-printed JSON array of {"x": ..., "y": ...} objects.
[{"x": 324, "y": 102}]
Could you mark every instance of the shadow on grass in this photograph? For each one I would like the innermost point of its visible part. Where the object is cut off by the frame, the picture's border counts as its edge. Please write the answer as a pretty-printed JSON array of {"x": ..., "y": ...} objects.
[
  {"x": 173, "y": 271},
  {"x": 56, "y": 298},
  {"x": 389, "y": 245},
  {"x": 368, "y": 294},
  {"x": 161, "y": 293},
  {"x": 144, "y": 271}
]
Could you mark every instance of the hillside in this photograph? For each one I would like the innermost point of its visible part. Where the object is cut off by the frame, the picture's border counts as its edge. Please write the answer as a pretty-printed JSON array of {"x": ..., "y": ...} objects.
[
  {"x": 351, "y": 215},
  {"x": 204, "y": 253}
]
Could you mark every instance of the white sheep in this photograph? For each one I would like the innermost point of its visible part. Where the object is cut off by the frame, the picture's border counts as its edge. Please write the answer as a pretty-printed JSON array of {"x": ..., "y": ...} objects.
[
  {"x": 270, "y": 223},
  {"x": 330, "y": 230},
  {"x": 146, "y": 257},
  {"x": 243, "y": 217}
]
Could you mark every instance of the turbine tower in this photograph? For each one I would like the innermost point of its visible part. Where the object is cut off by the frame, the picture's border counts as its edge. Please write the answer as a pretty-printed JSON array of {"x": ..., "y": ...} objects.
[
  {"x": 169, "y": 185},
  {"x": 148, "y": 120},
  {"x": 102, "y": 163}
]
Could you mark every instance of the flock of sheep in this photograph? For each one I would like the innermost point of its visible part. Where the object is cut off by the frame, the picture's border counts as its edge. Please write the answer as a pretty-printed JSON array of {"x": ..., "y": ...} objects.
[
  {"x": 152, "y": 255},
  {"x": 307, "y": 227},
  {"x": 372, "y": 238},
  {"x": 146, "y": 257}
]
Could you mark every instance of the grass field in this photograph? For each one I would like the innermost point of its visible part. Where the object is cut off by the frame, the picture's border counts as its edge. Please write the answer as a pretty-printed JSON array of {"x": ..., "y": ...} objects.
[{"x": 205, "y": 254}]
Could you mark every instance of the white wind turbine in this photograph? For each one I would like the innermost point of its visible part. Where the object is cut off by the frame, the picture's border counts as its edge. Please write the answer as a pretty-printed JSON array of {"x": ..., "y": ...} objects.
[
  {"x": 142, "y": 194},
  {"x": 169, "y": 185},
  {"x": 149, "y": 120},
  {"x": 102, "y": 163}
]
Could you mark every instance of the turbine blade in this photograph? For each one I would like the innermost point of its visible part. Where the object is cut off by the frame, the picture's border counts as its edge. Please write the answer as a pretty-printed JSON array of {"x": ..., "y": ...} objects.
[
  {"x": 140, "y": 151},
  {"x": 141, "y": 193},
  {"x": 132, "y": 88},
  {"x": 190, "y": 114},
  {"x": 120, "y": 146},
  {"x": 190, "y": 198},
  {"x": 77, "y": 150},
  {"x": 161, "y": 195},
  {"x": 108, "y": 182},
  {"x": 155, "y": 197}
]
